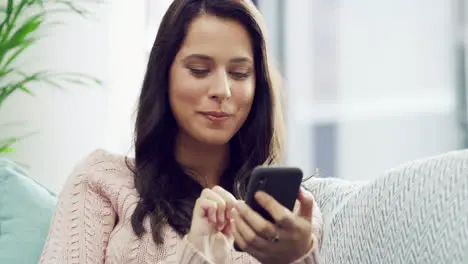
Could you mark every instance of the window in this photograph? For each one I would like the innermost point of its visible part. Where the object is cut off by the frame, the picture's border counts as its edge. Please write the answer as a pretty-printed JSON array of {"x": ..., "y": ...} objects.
[{"x": 370, "y": 83}]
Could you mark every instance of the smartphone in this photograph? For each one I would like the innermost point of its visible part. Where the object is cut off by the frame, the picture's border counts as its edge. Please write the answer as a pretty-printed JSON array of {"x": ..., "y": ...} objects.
[{"x": 282, "y": 183}]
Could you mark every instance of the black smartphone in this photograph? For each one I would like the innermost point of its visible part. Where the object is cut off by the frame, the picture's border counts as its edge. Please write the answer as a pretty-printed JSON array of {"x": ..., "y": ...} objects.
[{"x": 282, "y": 183}]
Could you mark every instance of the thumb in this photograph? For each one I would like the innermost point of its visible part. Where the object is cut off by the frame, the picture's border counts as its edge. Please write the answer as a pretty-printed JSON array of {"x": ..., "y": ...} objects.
[{"x": 306, "y": 204}]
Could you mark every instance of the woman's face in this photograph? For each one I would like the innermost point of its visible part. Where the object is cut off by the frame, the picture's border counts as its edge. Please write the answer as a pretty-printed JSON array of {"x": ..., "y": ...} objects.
[{"x": 212, "y": 80}]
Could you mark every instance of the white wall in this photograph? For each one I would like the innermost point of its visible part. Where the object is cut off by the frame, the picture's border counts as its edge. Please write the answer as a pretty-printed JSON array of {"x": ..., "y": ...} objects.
[
  {"x": 77, "y": 120},
  {"x": 127, "y": 56}
]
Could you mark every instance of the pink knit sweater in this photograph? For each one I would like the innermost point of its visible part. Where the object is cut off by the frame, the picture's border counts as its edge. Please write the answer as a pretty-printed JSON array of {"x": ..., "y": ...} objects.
[{"x": 92, "y": 222}]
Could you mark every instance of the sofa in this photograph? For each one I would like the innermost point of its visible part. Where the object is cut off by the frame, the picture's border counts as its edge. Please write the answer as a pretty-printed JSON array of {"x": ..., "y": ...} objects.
[
  {"x": 26, "y": 209},
  {"x": 415, "y": 213}
]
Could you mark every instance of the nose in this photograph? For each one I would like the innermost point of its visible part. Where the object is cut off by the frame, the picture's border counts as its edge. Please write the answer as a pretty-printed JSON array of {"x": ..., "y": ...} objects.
[{"x": 220, "y": 90}]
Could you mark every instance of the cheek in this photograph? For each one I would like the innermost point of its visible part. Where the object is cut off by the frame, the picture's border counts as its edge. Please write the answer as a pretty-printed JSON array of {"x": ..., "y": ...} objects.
[
  {"x": 245, "y": 96},
  {"x": 184, "y": 93}
]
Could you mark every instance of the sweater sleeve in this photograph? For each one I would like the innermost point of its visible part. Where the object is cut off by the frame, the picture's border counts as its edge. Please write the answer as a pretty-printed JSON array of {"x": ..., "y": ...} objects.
[
  {"x": 313, "y": 256},
  {"x": 83, "y": 218},
  {"x": 187, "y": 254}
]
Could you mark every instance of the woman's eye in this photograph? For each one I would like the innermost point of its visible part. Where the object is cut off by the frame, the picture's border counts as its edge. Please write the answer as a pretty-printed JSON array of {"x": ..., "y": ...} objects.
[
  {"x": 199, "y": 72},
  {"x": 240, "y": 75}
]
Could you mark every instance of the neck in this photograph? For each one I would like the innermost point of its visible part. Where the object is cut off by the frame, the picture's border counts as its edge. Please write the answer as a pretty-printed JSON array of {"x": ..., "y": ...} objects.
[{"x": 205, "y": 162}]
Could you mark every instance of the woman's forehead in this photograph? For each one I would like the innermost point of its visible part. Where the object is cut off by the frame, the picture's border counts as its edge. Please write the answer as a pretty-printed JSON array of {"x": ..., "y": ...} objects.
[{"x": 217, "y": 38}]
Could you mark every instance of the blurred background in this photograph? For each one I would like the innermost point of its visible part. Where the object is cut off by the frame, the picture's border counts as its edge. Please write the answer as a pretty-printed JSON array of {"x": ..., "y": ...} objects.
[{"x": 371, "y": 84}]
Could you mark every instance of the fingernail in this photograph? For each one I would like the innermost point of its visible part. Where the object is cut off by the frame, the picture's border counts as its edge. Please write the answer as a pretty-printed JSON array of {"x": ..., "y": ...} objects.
[
  {"x": 260, "y": 196},
  {"x": 233, "y": 213}
]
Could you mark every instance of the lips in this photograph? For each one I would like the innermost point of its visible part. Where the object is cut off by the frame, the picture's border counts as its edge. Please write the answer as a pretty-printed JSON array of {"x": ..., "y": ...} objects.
[{"x": 216, "y": 116}]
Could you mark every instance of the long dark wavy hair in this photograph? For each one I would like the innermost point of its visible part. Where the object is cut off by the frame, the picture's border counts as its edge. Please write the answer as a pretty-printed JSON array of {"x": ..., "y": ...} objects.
[{"x": 167, "y": 192}]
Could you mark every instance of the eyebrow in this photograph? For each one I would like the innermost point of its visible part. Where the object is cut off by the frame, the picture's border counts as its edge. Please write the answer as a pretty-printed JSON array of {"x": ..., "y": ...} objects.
[{"x": 208, "y": 58}]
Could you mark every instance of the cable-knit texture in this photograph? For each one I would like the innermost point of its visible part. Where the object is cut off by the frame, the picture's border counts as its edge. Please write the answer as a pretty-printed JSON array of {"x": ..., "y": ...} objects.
[{"x": 92, "y": 223}]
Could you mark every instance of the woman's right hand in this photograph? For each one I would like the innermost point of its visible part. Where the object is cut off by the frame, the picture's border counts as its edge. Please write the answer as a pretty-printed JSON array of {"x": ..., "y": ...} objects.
[{"x": 211, "y": 229}]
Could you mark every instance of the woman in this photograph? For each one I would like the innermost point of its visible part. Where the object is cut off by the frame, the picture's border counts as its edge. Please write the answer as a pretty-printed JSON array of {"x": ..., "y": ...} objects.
[{"x": 208, "y": 114}]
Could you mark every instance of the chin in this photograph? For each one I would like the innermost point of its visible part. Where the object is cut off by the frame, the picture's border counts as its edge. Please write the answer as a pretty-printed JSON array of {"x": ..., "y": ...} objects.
[{"x": 214, "y": 138}]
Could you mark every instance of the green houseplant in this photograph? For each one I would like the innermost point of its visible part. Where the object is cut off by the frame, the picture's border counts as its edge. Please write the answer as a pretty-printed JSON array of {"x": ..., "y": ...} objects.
[{"x": 22, "y": 24}]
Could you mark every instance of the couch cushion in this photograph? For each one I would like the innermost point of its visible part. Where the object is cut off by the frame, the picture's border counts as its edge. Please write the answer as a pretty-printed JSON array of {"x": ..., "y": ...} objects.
[
  {"x": 416, "y": 213},
  {"x": 26, "y": 209}
]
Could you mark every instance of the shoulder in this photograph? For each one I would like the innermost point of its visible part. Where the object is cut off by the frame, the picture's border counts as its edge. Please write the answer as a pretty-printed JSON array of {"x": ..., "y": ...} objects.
[
  {"x": 103, "y": 160},
  {"x": 102, "y": 172}
]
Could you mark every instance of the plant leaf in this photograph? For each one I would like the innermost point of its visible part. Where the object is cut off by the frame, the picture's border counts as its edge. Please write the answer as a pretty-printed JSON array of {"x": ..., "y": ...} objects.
[
  {"x": 5, "y": 72},
  {"x": 12, "y": 18},
  {"x": 75, "y": 81},
  {"x": 5, "y": 144},
  {"x": 9, "y": 89},
  {"x": 21, "y": 48},
  {"x": 81, "y": 11},
  {"x": 26, "y": 90},
  {"x": 71, "y": 76},
  {"x": 53, "y": 83},
  {"x": 9, "y": 6},
  {"x": 15, "y": 38},
  {"x": 24, "y": 30},
  {"x": 6, "y": 149},
  {"x": 19, "y": 8},
  {"x": 8, "y": 14}
]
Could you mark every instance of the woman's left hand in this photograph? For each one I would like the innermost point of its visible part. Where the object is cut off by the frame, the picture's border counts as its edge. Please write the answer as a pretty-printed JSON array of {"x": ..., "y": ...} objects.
[{"x": 284, "y": 242}]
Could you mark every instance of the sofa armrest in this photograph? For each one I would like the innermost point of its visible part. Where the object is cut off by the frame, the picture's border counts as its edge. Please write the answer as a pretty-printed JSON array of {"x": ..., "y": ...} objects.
[
  {"x": 415, "y": 213},
  {"x": 331, "y": 193}
]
